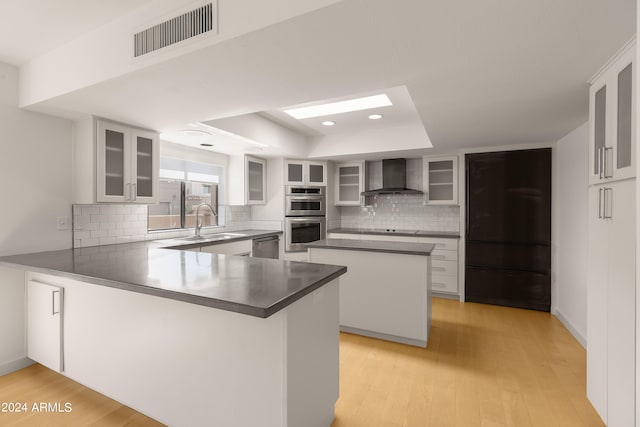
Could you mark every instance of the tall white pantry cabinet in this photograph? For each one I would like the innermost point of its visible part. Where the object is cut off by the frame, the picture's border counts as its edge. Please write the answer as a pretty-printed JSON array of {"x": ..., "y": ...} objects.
[{"x": 611, "y": 294}]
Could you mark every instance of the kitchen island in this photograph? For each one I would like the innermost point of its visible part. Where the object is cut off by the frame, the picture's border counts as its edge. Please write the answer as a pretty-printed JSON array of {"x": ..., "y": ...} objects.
[
  {"x": 192, "y": 338},
  {"x": 386, "y": 293}
]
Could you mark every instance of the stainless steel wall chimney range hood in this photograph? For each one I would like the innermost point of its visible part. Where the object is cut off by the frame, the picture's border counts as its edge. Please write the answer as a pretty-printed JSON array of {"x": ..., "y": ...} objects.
[{"x": 394, "y": 179}]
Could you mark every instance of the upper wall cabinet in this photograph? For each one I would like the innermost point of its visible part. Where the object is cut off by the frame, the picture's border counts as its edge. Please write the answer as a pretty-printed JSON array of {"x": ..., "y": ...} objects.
[
  {"x": 304, "y": 172},
  {"x": 127, "y": 164},
  {"x": 349, "y": 183},
  {"x": 611, "y": 119},
  {"x": 440, "y": 176},
  {"x": 247, "y": 180}
]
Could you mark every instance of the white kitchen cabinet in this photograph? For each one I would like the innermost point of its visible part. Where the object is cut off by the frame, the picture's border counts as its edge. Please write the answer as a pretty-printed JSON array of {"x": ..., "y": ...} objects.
[
  {"x": 612, "y": 119},
  {"x": 440, "y": 180},
  {"x": 444, "y": 258},
  {"x": 45, "y": 305},
  {"x": 127, "y": 164},
  {"x": 305, "y": 172},
  {"x": 349, "y": 183},
  {"x": 611, "y": 302},
  {"x": 247, "y": 180},
  {"x": 241, "y": 247},
  {"x": 444, "y": 264}
]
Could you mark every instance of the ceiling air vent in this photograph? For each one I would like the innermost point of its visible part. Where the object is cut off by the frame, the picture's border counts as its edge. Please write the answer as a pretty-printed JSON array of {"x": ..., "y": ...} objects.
[{"x": 193, "y": 23}]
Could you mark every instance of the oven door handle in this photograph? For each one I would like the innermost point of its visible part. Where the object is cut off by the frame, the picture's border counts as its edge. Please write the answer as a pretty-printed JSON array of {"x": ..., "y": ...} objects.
[{"x": 294, "y": 198}]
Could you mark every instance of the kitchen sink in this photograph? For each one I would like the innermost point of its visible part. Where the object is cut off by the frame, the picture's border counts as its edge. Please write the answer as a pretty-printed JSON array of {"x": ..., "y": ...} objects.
[{"x": 211, "y": 237}]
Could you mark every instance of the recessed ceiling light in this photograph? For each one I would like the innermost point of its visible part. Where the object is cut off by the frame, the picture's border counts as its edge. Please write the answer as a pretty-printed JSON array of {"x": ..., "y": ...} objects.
[
  {"x": 206, "y": 145},
  {"x": 375, "y": 116},
  {"x": 195, "y": 133},
  {"x": 347, "y": 106},
  {"x": 328, "y": 123}
]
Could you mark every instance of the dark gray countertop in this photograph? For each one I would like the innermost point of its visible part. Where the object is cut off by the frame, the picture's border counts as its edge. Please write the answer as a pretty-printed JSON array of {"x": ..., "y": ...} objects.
[
  {"x": 394, "y": 232},
  {"x": 424, "y": 249},
  {"x": 254, "y": 286}
]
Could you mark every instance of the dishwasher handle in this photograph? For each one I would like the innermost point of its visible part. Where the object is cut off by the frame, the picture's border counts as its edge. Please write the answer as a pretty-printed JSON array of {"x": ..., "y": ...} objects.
[{"x": 266, "y": 239}]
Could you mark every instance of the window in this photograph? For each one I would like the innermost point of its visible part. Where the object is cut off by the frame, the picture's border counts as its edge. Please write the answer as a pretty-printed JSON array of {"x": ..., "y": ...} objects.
[{"x": 183, "y": 186}]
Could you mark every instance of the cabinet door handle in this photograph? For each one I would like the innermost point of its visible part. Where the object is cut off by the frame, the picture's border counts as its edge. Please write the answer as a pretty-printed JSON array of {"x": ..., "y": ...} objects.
[
  {"x": 135, "y": 191},
  {"x": 605, "y": 162},
  {"x": 599, "y": 203},
  {"x": 128, "y": 195},
  {"x": 53, "y": 302},
  {"x": 600, "y": 163},
  {"x": 608, "y": 203}
]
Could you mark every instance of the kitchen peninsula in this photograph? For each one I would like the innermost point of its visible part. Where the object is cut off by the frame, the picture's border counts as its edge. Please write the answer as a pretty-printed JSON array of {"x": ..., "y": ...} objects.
[
  {"x": 192, "y": 338},
  {"x": 387, "y": 292}
]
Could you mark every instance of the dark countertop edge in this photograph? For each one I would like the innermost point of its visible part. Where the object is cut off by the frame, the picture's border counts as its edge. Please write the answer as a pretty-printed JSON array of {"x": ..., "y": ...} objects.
[
  {"x": 406, "y": 233},
  {"x": 304, "y": 292},
  {"x": 347, "y": 245},
  {"x": 262, "y": 312}
]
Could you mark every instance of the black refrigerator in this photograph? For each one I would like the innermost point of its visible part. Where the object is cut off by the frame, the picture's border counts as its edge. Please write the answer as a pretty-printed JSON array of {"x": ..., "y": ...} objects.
[{"x": 508, "y": 228}]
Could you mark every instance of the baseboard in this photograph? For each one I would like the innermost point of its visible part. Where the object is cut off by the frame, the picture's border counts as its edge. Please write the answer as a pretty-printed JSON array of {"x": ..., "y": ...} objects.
[
  {"x": 15, "y": 365},
  {"x": 381, "y": 336},
  {"x": 577, "y": 335},
  {"x": 445, "y": 296}
]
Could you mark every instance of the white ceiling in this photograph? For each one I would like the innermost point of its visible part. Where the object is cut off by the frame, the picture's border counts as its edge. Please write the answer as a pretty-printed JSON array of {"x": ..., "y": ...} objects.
[
  {"x": 29, "y": 28},
  {"x": 480, "y": 73}
]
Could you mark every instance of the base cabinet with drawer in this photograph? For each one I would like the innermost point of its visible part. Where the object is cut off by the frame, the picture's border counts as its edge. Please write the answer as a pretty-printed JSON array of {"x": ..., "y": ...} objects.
[{"x": 444, "y": 264}]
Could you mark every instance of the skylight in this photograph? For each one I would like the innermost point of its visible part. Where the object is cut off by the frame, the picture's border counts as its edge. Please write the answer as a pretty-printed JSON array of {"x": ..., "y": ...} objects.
[{"x": 347, "y": 106}]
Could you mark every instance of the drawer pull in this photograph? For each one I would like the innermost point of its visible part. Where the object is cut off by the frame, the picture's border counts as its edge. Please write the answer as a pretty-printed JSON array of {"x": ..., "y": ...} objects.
[{"x": 438, "y": 269}]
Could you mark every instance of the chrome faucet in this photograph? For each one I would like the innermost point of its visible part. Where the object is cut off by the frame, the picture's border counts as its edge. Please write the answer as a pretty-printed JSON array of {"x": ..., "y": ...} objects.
[{"x": 198, "y": 221}]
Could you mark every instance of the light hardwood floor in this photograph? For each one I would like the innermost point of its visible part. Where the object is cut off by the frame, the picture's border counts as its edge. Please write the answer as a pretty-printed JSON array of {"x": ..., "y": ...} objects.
[{"x": 484, "y": 366}]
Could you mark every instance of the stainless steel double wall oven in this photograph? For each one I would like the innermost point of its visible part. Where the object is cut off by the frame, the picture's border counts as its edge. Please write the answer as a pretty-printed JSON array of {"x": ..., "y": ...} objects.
[{"x": 305, "y": 221}]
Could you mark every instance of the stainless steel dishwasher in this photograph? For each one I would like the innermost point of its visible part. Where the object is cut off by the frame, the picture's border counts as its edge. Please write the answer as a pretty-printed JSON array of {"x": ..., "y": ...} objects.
[{"x": 266, "y": 247}]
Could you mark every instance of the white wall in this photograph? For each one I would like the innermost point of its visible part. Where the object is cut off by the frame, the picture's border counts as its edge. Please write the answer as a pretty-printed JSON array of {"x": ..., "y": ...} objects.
[
  {"x": 35, "y": 174},
  {"x": 13, "y": 347},
  {"x": 35, "y": 186},
  {"x": 570, "y": 239}
]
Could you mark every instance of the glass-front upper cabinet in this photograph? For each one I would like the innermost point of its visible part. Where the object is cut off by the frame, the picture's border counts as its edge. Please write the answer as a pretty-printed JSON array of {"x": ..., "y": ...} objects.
[
  {"x": 349, "y": 183},
  {"x": 305, "y": 172},
  {"x": 256, "y": 180},
  {"x": 127, "y": 164},
  {"x": 440, "y": 180},
  {"x": 611, "y": 124},
  {"x": 247, "y": 180}
]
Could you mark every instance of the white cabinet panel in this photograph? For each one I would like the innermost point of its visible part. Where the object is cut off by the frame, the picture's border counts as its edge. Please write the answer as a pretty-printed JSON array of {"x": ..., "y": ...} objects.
[
  {"x": 440, "y": 180},
  {"x": 611, "y": 120},
  {"x": 127, "y": 164},
  {"x": 247, "y": 180},
  {"x": 44, "y": 324},
  {"x": 242, "y": 247},
  {"x": 349, "y": 183},
  {"x": 611, "y": 302},
  {"x": 305, "y": 172},
  {"x": 621, "y": 304}
]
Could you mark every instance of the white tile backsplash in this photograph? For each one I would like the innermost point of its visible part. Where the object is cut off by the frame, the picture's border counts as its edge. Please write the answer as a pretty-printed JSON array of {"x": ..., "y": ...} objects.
[
  {"x": 95, "y": 225},
  {"x": 402, "y": 212}
]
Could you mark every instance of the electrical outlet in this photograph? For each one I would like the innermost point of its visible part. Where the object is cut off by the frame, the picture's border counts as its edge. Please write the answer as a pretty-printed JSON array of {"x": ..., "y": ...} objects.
[{"x": 63, "y": 223}]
